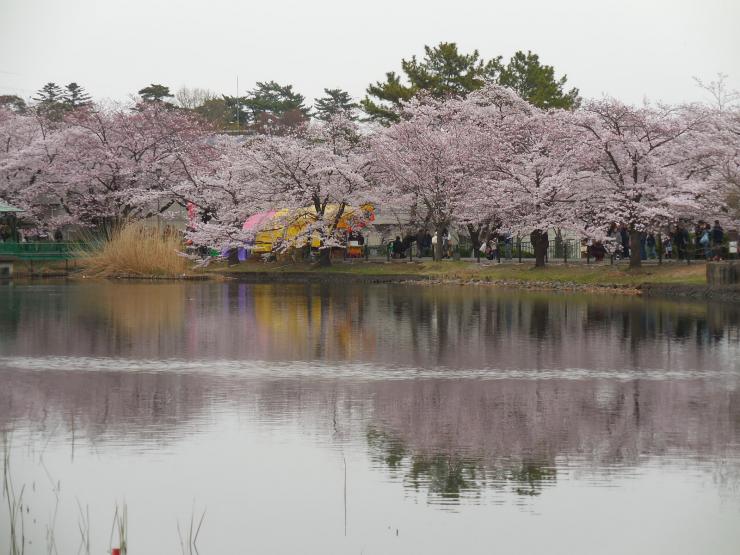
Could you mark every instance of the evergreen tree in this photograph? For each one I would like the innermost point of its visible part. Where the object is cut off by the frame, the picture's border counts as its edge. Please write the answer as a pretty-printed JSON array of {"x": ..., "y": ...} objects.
[
  {"x": 235, "y": 110},
  {"x": 155, "y": 93},
  {"x": 274, "y": 106},
  {"x": 443, "y": 72},
  {"x": 536, "y": 82},
  {"x": 336, "y": 101},
  {"x": 76, "y": 96},
  {"x": 218, "y": 111},
  {"x": 14, "y": 103},
  {"x": 50, "y": 101},
  {"x": 50, "y": 93}
]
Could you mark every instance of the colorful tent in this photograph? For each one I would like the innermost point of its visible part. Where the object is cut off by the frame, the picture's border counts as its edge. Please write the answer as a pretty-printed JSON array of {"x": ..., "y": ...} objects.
[{"x": 287, "y": 224}]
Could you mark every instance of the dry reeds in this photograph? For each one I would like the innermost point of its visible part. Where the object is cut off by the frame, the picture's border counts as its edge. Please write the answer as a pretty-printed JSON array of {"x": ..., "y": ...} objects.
[
  {"x": 135, "y": 250},
  {"x": 15, "y": 505}
]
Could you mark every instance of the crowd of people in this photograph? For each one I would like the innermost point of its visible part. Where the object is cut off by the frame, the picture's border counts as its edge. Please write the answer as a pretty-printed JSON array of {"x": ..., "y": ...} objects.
[
  {"x": 707, "y": 242},
  {"x": 703, "y": 241},
  {"x": 426, "y": 243}
]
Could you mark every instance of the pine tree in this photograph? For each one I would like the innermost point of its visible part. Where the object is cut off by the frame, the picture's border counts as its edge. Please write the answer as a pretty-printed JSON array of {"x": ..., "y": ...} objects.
[
  {"x": 155, "y": 93},
  {"x": 50, "y": 101},
  {"x": 336, "y": 101},
  {"x": 76, "y": 96},
  {"x": 443, "y": 72},
  {"x": 13, "y": 103},
  {"x": 49, "y": 94},
  {"x": 275, "y": 107},
  {"x": 536, "y": 82}
]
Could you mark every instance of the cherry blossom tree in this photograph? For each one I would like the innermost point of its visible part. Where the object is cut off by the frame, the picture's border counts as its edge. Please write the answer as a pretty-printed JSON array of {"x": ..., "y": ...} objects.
[
  {"x": 642, "y": 176},
  {"x": 120, "y": 164},
  {"x": 428, "y": 161},
  {"x": 316, "y": 178},
  {"x": 219, "y": 193},
  {"x": 534, "y": 171},
  {"x": 321, "y": 174},
  {"x": 29, "y": 148},
  {"x": 720, "y": 152}
]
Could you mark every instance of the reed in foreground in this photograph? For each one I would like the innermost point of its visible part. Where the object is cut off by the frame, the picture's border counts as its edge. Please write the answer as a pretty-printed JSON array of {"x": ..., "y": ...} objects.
[
  {"x": 135, "y": 249},
  {"x": 17, "y": 540}
]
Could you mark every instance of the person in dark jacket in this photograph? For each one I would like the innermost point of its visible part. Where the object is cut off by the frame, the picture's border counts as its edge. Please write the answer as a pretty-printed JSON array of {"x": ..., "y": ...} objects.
[
  {"x": 718, "y": 236},
  {"x": 624, "y": 237},
  {"x": 398, "y": 248}
]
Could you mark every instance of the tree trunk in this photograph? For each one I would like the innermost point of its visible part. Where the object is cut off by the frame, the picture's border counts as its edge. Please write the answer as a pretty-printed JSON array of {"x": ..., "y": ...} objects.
[
  {"x": 325, "y": 257},
  {"x": 438, "y": 246},
  {"x": 635, "y": 258},
  {"x": 539, "y": 241},
  {"x": 474, "y": 237}
]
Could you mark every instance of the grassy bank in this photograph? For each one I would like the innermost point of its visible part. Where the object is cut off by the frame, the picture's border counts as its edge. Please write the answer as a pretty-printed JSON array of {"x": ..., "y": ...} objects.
[{"x": 563, "y": 275}]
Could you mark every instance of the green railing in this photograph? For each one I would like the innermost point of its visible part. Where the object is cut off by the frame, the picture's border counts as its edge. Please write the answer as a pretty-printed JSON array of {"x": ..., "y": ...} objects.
[{"x": 40, "y": 250}]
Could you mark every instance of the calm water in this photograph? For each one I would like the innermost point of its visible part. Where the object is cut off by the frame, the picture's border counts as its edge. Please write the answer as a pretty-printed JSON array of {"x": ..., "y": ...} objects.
[{"x": 370, "y": 419}]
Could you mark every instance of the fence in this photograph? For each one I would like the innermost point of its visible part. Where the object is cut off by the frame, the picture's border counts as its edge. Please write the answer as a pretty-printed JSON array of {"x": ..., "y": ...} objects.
[
  {"x": 40, "y": 250},
  {"x": 559, "y": 250},
  {"x": 565, "y": 250}
]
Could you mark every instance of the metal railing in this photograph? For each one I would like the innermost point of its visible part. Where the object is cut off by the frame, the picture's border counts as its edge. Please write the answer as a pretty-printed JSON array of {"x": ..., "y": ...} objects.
[{"x": 39, "y": 250}]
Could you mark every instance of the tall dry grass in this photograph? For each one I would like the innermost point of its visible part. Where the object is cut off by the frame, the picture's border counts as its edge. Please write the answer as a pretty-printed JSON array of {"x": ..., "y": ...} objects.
[{"x": 135, "y": 249}]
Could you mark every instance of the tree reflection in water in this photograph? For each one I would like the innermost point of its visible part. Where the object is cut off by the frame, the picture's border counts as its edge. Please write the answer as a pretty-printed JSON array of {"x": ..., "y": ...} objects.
[
  {"x": 451, "y": 477},
  {"x": 603, "y": 382}
]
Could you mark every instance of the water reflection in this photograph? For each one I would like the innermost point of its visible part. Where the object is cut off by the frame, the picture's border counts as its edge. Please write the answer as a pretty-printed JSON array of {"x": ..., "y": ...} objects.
[
  {"x": 457, "y": 397},
  {"x": 448, "y": 437},
  {"x": 417, "y": 326}
]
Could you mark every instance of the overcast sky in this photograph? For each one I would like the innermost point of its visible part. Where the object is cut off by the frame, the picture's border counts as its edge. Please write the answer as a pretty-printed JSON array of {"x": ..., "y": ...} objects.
[{"x": 630, "y": 49}]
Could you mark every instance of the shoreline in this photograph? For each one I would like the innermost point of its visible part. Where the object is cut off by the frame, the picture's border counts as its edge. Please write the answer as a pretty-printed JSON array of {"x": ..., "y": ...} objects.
[
  {"x": 648, "y": 290},
  {"x": 668, "y": 280},
  {"x": 665, "y": 281}
]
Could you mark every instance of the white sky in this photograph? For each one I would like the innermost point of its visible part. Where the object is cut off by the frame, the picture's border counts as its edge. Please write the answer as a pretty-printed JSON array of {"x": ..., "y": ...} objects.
[{"x": 630, "y": 49}]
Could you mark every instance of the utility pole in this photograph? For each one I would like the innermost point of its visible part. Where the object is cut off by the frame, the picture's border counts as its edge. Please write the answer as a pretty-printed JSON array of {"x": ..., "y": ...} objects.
[{"x": 238, "y": 107}]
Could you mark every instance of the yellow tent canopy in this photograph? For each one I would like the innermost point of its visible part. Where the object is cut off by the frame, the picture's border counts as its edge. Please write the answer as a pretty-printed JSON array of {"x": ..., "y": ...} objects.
[{"x": 289, "y": 225}]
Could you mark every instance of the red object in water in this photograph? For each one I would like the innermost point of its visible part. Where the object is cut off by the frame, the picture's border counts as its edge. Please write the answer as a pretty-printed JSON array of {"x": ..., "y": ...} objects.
[{"x": 115, "y": 551}]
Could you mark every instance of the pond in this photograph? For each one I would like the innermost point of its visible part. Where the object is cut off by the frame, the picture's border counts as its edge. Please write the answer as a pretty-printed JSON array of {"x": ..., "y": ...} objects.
[{"x": 367, "y": 419}]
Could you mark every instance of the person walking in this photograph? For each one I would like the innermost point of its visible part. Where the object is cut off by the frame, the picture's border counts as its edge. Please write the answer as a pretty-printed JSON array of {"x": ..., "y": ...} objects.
[
  {"x": 705, "y": 240},
  {"x": 668, "y": 247},
  {"x": 718, "y": 236},
  {"x": 397, "y": 248},
  {"x": 698, "y": 234},
  {"x": 650, "y": 246},
  {"x": 420, "y": 242},
  {"x": 624, "y": 237}
]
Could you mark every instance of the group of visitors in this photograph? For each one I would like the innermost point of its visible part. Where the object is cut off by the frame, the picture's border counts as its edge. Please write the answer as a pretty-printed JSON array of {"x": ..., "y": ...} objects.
[
  {"x": 707, "y": 242},
  {"x": 426, "y": 244},
  {"x": 498, "y": 244}
]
